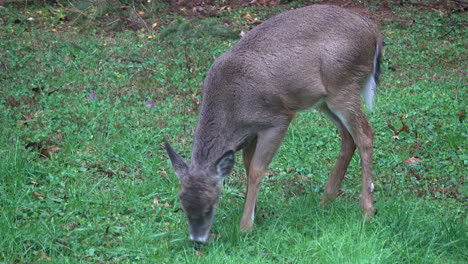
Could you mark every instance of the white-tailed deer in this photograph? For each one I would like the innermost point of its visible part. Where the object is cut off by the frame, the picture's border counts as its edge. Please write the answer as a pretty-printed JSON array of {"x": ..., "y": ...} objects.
[{"x": 318, "y": 56}]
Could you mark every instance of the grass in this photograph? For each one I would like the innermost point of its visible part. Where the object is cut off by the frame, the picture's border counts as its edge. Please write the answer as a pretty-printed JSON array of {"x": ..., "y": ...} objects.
[{"x": 108, "y": 99}]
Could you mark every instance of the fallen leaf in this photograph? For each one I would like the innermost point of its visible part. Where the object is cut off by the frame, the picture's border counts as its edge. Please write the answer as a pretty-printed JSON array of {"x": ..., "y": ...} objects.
[
  {"x": 45, "y": 153},
  {"x": 262, "y": 2},
  {"x": 58, "y": 137},
  {"x": 44, "y": 256},
  {"x": 198, "y": 253},
  {"x": 157, "y": 203},
  {"x": 38, "y": 196},
  {"x": 33, "y": 183},
  {"x": 252, "y": 20},
  {"x": 70, "y": 226},
  {"x": 197, "y": 9},
  {"x": 413, "y": 160},
  {"x": 128, "y": 92},
  {"x": 91, "y": 96},
  {"x": 86, "y": 151},
  {"x": 30, "y": 117},
  {"x": 461, "y": 116},
  {"x": 150, "y": 103}
]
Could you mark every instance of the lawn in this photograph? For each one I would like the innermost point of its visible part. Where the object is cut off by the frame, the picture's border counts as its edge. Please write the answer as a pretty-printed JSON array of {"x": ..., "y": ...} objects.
[{"x": 86, "y": 103}]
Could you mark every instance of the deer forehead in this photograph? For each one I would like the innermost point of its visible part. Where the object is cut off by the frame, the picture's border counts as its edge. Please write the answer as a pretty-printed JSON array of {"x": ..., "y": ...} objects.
[{"x": 196, "y": 201}]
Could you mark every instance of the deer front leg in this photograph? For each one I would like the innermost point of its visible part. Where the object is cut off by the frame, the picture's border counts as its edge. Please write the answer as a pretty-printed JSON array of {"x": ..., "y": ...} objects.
[
  {"x": 257, "y": 159},
  {"x": 254, "y": 179}
]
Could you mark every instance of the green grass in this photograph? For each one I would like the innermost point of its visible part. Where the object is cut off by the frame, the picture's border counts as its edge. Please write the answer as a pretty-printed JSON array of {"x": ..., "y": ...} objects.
[{"x": 109, "y": 194}]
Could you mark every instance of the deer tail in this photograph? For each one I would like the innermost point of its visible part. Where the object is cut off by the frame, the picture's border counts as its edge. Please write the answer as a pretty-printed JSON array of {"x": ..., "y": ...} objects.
[{"x": 370, "y": 88}]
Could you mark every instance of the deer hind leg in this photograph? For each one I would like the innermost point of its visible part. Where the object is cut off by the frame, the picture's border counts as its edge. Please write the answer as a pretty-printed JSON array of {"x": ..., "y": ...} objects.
[
  {"x": 257, "y": 158},
  {"x": 349, "y": 112},
  {"x": 346, "y": 153}
]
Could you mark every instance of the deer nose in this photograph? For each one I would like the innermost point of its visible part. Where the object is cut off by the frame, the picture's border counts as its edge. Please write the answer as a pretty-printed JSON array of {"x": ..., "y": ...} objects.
[{"x": 199, "y": 239}]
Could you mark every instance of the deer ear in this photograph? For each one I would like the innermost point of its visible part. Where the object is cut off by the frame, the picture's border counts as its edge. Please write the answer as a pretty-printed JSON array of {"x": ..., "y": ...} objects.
[
  {"x": 178, "y": 163},
  {"x": 225, "y": 164}
]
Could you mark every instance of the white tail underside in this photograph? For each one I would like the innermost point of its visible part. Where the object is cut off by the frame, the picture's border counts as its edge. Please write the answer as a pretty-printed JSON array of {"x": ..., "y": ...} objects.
[{"x": 370, "y": 88}]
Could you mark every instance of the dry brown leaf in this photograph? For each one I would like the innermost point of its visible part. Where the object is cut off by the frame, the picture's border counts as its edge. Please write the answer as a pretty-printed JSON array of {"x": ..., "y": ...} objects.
[
  {"x": 45, "y": 152},
  {"x": 197, "y": 9},
  {"x": 252, "y": 20},
  {"x": 461, "y": 116},
  {"x": 86, "y": 151},
  {"x": 70, "y": 226},
  {"x": 262, "y": 2},
  {"x": 38, "y": 196},
  {"x": 30, "y": 117},
  {"x": 157, "y": 203},
  {"x": 33, "y": 183},
  {"x": 44, "y": 256},
  {"x": 128, "y": 92},
  {"x": 413, "y": 160},
  {"x": 58, "y": 137},
  {"x": 27, "y": 119}
]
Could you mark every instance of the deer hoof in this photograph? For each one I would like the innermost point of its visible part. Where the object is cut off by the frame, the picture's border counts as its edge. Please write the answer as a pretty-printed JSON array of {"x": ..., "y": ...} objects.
[
  {"x": 368, "y": 213},
  {"x": 246, "y": 227},
  {"x": 326, "y": 199}
]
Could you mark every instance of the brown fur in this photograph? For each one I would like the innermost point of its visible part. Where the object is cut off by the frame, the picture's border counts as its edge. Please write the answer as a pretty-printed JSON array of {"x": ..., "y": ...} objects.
[{"x": 318, "y": 56}]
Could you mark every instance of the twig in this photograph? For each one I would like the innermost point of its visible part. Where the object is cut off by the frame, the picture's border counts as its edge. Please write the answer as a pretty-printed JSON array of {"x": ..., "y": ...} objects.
[
  {"x": 136, "y": 60},
  {"x": 141, "y": 19},
  {"x": 108, "y": 24},
  {"x": 77, "y": 46},
  {"x": 448, "y": 32},
  {"x": 404, "y": 127}
]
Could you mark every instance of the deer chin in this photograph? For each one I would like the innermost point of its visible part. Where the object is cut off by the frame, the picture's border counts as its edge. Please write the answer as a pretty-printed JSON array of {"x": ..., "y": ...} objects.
[{"x": 199, "y": 232}]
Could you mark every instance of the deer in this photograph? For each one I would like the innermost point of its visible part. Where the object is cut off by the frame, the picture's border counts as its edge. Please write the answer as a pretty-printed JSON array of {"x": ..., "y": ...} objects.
[{"x": 316, "y": 57}]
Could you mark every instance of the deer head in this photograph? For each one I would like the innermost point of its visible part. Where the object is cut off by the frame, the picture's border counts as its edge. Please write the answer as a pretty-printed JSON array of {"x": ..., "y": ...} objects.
[{"x": 201, "y": 188}]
